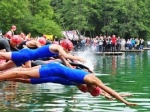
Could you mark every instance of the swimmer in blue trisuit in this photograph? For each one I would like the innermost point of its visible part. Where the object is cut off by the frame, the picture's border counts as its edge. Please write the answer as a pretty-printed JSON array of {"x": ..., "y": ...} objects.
[
  {"x": 56, "y": 70},
  {"x": 24, "y": 55}
]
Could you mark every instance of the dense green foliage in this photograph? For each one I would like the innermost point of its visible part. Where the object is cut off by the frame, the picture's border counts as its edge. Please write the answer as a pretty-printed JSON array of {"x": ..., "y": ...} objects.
[
  {"x": 125, "y": 18},
  {"x": 35, "y": 16}
]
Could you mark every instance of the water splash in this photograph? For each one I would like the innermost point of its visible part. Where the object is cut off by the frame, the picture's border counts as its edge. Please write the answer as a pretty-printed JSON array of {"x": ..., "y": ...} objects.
[{"x": 89, "y": 57}]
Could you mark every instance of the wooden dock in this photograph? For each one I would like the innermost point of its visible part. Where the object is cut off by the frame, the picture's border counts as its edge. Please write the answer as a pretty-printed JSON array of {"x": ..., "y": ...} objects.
[
  {"x": 132, "y": 50},
  {"x": 146, "y": 48},
  {"x": 109, "y": 53},
  {"x": 113, "y": 53},
  {"x": 100, "y": 53}
]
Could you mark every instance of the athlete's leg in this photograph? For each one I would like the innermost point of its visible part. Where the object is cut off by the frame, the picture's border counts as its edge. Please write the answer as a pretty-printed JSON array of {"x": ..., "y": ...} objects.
[
  {"x": 20, "y": 69},
  {"x": 51, "y": 79},
  {"x": 5, "y": 55},
  {"x": 25, "y": 73},
  {"x": 7, "y": 65},
  {"x": 91, "y": 79},
  {"x": 57, "y": 80},
  {"x": 22, "y": 80}
]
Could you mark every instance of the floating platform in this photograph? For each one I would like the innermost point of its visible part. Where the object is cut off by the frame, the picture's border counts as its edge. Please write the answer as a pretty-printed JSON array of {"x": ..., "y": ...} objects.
[
  {"x": 146, "y": 48},
  {"x": 132, "y": 50},
  {"x": 109, "y": 53},
  {"x": 100, "y": 53}
]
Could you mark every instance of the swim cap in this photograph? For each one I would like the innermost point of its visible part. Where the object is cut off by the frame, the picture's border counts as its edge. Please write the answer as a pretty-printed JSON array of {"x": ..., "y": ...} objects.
[
  {"x": 96, "y": 91},
  {"x": 13, "y": 27},
  {"x": 66, "y": 44},
  {"x": 16, "y": 39},
  {"x": 8, "y": 35},
  {"x": 42, "y": 40},
  {"x": 83, "y": 88}
]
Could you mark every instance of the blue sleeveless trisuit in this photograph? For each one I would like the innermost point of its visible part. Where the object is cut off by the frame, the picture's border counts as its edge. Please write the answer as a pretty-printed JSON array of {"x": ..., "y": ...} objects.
[
  {"x": 24, "y": 55},
  {"x": 55, "y": 72}
]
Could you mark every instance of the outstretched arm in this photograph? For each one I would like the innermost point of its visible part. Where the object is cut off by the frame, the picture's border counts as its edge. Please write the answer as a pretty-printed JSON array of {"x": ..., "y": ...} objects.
[
  {"x": 109, "y": 97},
  {"x": 66, "y": 55},
  {"x": 65, "y": 62},
  {"x": 91, "y": 79},
  {"x": 20, "y": 73}
]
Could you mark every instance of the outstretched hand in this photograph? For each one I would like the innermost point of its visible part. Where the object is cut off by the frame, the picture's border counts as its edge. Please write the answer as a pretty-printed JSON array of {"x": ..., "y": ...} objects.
[
  {"x": 109, "y": 97},
  {"x": 82, "y": 60},
  {"x": 131, "y": 104},
  {"x": 126, "y": 95}
]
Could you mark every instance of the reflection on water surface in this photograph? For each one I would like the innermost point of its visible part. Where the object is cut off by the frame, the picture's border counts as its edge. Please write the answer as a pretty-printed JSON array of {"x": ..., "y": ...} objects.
[{"x": 127, "y": 73}]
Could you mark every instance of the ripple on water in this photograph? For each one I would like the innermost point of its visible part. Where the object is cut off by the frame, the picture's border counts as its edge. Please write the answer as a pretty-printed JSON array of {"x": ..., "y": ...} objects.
[{"x": 126, "y": 73}]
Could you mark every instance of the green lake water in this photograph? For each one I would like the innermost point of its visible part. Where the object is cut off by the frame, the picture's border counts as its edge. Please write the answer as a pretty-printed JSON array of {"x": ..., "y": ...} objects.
[{"x": 127, "y": 73}]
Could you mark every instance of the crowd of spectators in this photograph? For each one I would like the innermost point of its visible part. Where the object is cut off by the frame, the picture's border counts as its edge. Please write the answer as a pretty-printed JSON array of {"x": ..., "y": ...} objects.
[
  {"x": 107, "y": 43},
  {"x": 98, "y": 44}
]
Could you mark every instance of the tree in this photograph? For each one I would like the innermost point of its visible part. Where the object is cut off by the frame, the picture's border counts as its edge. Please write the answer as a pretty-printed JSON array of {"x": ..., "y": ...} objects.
[
  {"x": 13, "y": 12},
  {"x": 34, "y": 16},
  {"x": 43, "y": 18}
]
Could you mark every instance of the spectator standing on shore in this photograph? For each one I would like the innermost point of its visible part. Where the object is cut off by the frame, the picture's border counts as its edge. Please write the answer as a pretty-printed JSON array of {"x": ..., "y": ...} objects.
[
  {"x": 113, "y": 42},
  {"x": 88, "y": 42},
  {"x": 118, "y": 44},
  {"x": 137, "y": 43},
  {"x": 10, "y": 33},
  {"x": 133, "y": 43},
  {"x": 141, "y": 43},
  {"x": 100, "y": 43},
  {"x": 123, "y": 42}
]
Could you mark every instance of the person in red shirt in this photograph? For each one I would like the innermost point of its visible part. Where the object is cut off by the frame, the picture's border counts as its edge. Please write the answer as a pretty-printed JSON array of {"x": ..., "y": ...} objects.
[{"x": 113, "y": 42}]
